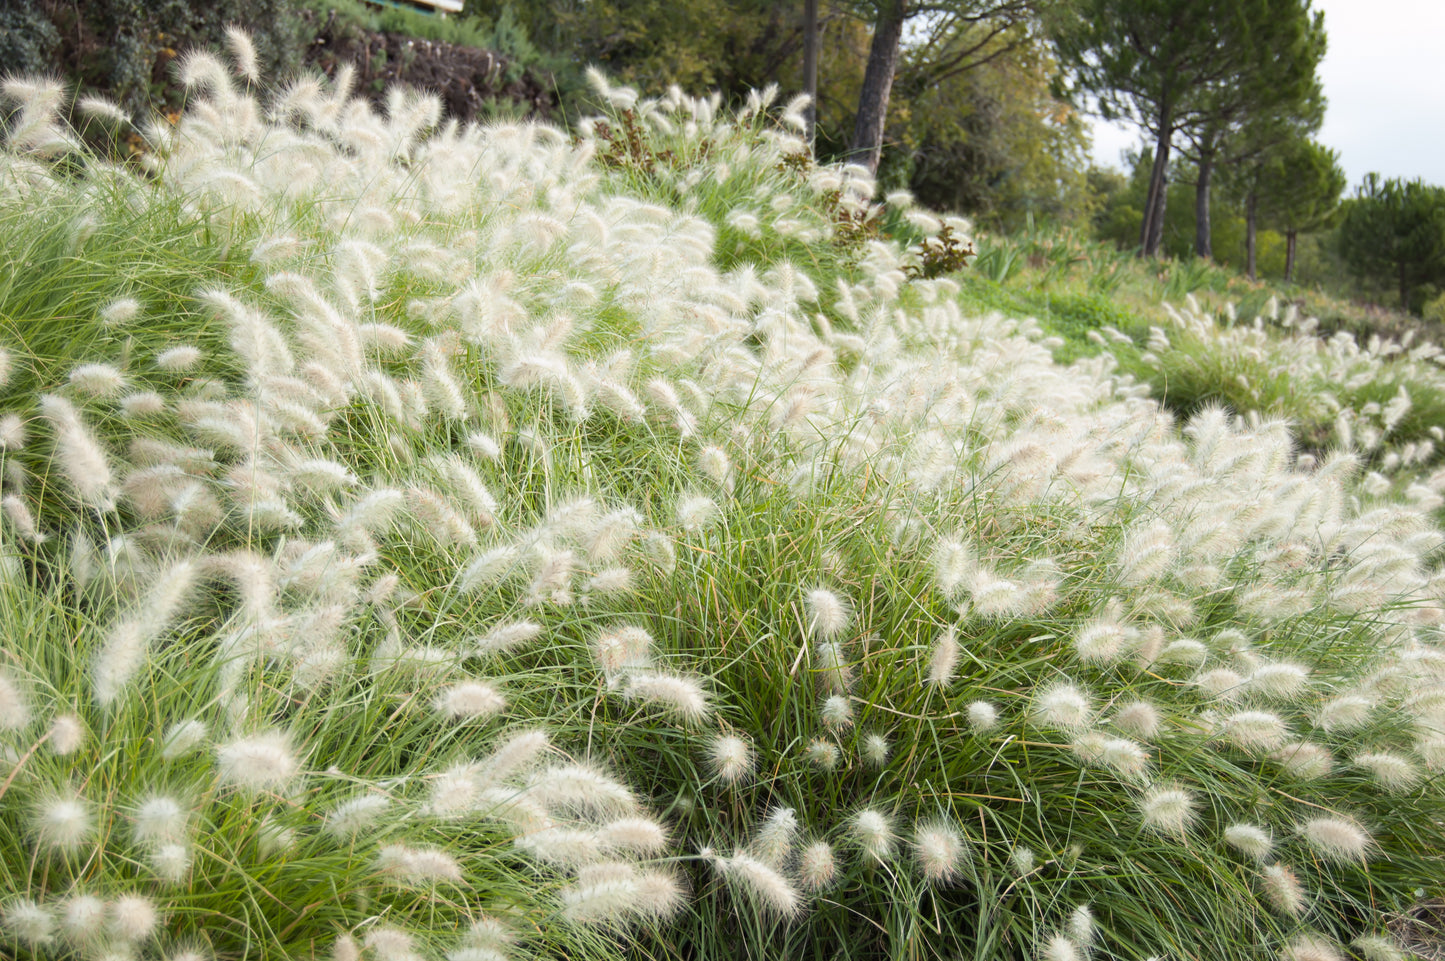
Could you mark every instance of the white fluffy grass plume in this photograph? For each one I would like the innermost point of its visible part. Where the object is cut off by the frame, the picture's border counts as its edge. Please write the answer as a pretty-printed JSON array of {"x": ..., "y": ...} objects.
[
  {"x": 826, "y": 614},
  {"x": 763, "y": 885},
  {"x": 259, "y": 762},
  {"x": 1337, "y": 838}
]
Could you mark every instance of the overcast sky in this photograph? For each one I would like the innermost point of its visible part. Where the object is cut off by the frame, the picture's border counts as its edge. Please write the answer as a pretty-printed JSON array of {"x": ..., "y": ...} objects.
[{"x": 1385, "y": 82}]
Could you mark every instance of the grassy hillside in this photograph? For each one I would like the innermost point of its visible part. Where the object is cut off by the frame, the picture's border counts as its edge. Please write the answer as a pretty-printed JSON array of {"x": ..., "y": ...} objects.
[{"x": 438, "y": 541}]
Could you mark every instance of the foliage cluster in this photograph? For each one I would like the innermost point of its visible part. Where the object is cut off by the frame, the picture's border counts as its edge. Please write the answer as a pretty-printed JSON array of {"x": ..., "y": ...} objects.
[
  {"x": 1394, "y": 231},
  {"x": 126, "y": 48},
  {"x": 992, "y": 141}
]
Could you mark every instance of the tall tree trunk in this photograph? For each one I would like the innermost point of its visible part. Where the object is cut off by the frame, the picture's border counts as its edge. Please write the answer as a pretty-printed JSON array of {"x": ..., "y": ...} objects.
[
  {"x": 1156, "y": 230},
  {"x": 1152, "y": 230},
  {"x": 810, "y": 63},
  {"x": 1289, "y": 239},
  {"x": 1203, "y": 236},
  {"x": 1251, "y": 219},
  {"x": 867, "y": 144}
]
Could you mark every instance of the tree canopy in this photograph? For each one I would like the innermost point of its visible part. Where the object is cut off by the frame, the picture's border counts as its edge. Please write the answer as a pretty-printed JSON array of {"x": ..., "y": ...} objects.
[
  {"x": 1171, "y": 65},
  {"x": 1300, "y": 187},
  {"x": 1393, "y": 231}
]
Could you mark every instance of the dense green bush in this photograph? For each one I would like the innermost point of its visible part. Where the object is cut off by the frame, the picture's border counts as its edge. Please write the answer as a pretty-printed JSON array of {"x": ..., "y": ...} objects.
[
  {"x": 28, "y": 39},
  {"x": 125, "y": 48}
]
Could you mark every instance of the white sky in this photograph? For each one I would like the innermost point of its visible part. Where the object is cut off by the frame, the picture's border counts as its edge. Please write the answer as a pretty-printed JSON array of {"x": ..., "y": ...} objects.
[{"x": 1384, "y": 76}]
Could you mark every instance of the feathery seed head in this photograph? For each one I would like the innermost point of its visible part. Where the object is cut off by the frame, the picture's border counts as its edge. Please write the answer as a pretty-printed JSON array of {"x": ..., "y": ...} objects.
[
  {"x": 580, "y": 788},
  {"x": 683, "y": 697},
  {"x": 1220, "y": 682},
  {"x": 489, "y": 932},
  {"x": 1250, "y": 840},
  {"x": 635, "y": 835},
  {"x": 715, "y": 463},
  {"x": 823, "y": 755},
  {"x": 260, "y": 762},
  {"x": 160, "y": 819},
  {"x": 81, "y": 457},
  {"x": 12, "y": 431},
  {"x": 1139, "y": 718},
  {"x": 833, "y": 670},
  {"x": 1394, "y": 773},
  {"x": 1101, "y": 642},
  {"x": 944, "y": 662},
  {"x": 243, "y": 51},
  {"x": 1254, "y": 730},
  {"x": 764, "y": 885},
  {"x": 1337, "y": 838},
  {"x": 939, "y": 850},
  {"x": 1348, "y": 712},
  {"x": 133, "y": 917},
  {"x": 731, "y": 758},
  {"x": 1303, "y": 759},
  {"x": 1378, "y": 947},
  {"x": 67, "y": 734},
  {"x": 1146, "y": 553},
  {"x": 625, "y": 647},
  {"x": 507, "y": 636},
  {"x": 1059, "y": 948},
  {"x": 1430, "y": 748},
  {"x": 1081, "y": 926},
  {"x": 875, "y": 750},
  {"x": 97, "y": 380},
  {"x": 982, "y": 717},
  {"x": 995, "y": 596},
  {"x": 1278, "y": 679},
  {"x": 29, "y": 923},
  {"x": 356, "y": 815},
  {"x": 182, "y": 738},
  {"x": 1117, "y": 753},
  {"x": 425, "y": 866},
  {"x": 100, "y": 108},
  {"x": 389, "y": 944},
  {"x": 453, "y": 792},
  {"x": 1283, "y": 890},
  {"x": 468, "y": 701},
  {"x": 1167, "y": 810},
  {"x": 953, "y": 563},
  {"x": 817, "y": 866},
  {"x": 826, "y": 615},
  {"x": 120, "y": 311},
  {"x": 658, "y": 895},
  {"x": 774, "y": 841},
  {"x": 171, "y": 862},
  {"x": 874, "y": 833},
  {"x": 203, "y": 69},
  {"x": 1063, "y": 706},
  {"x": 15, "y": 712},
  {"x": 82, "y": 919},
  {"x": 177, "y": 359},
  {"x": 517, "y": 753},
  {"x": 63, "y": 823},
  {"x": 608, "y": 582},
  {"x": 1310, "y": 947},
  {"x": 837, "y": 712}
]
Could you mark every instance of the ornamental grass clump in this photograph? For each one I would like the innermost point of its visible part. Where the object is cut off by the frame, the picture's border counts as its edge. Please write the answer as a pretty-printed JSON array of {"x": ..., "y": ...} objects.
[
  {"x": 1381, "y": 398},
  {"x": 559, "y": 547}
]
